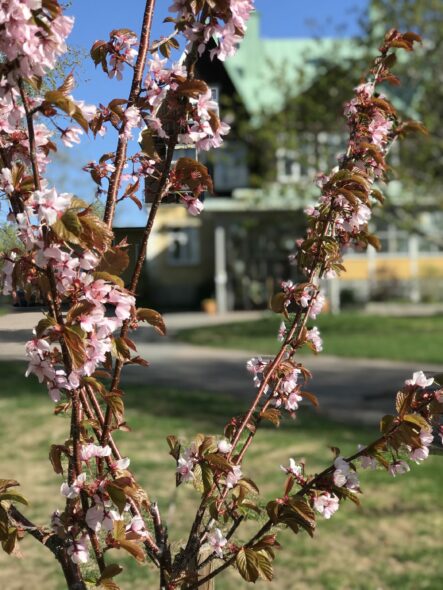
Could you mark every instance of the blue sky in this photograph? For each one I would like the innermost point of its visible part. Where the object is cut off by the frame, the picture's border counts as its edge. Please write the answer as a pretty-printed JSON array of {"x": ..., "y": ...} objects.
[{"x": 96, "y": 18}]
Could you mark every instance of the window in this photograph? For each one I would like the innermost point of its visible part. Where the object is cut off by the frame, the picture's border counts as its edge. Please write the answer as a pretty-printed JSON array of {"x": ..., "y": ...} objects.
[
  {"x": 230, "y": 167},
  {"x": 184, "y": 246},
  {"x": 315, "y": 151},
  {"x": 288, "y": 169}
]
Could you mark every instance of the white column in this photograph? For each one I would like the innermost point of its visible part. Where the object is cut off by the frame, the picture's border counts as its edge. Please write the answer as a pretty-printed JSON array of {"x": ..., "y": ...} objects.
[
  {"x": 334, "y": 295},
  {"x": 413, "y": 261},
  {"x": 221, "y": 276}
]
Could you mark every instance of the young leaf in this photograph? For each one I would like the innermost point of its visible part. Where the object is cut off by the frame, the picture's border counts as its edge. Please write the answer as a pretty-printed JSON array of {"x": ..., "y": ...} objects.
[
  {"x": 154, "y": 318},
  {"x": 105, "y": 276},
  {"x": 271, "y": 414},
  {"x": 135, "y": 550},
  {"x": 7, "y": 483},
  {"x": 264, "y": 565},
  {"x": 114, "y": 261},
  {"x": 117, "y": 495},
  {"x": 247, "y": 564},
  {"x": 13, "y": 497},
  {"x": 110, "y": 571}
]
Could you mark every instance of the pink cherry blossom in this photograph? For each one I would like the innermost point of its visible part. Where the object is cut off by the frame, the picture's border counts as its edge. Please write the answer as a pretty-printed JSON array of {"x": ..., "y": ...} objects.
[
  {"x": 344, "y": 476},
  {"x": 224, "y": 446},
  {"x": 122, "y": 463},
  {"x": 192, "y": 204},
  {"x": 326, "y": 504},
  {"x": 99, "y": 516},
  {"x": 282, "y": 332},
  {"x": 419, "y": 380},
  {"x": 132, "y": 119},
  {"x": 50, "y": 205},
  {"x": 122, "y": 44},
  {"x": 71, "y": 135},
  {"x": 217, "y": 541},
  {"x": 137, "y": 526},
  {"x": 78, "y": 550},
  {"x": 233, "y": 477},
  {"x": 72, "y": 491},
  {"x": 123, "y": 302},
  {"x": 6, "y": 183},
  {"x": 317, "y": 305},
  {"x": 419, "y": 454},
  {"x": 313, "y": 336},
  {"x": 96, "y": 291},
  {"x": 90, "y": 450},
  {"x": 292, "y": 401},
  {"x": 289, "y": 382},
  {"x": 185, "y": 465},
  {"x": 398, "y": 468},
  {"x": 366, "y": 461},
  {"x": 89, "y": 320},
  {"x": 185, "y": 468},
  {"x": 379, "y": 128},
  {"x": 294, "y": 468},
  {"x": 256, "y": 367}
]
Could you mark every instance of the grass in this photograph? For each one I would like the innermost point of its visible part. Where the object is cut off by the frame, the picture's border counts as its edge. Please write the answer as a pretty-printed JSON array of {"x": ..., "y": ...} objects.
[
  {"x": 417, "y": 339},
  {"x": 393, "y": 541}
]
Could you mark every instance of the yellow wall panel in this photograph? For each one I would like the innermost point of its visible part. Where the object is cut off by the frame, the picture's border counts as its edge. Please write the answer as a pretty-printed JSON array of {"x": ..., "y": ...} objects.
[
  {"x": 356, "y": 269},
  {"x": 393, "y": 268},
  {"x": 430, "y": 267}
]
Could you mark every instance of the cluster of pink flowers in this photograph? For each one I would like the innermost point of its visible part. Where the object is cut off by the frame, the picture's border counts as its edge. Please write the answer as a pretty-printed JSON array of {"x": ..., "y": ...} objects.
[
  {"x": 314, "y": 337},
  {"x": 287, "y": 392},
  {"x": 30, "y": 46},
  {"x": 132, "y": 119},
  {"x": 226, "y": 26},
  {"x": 371, "y": 124},
  {"x": 304, "y": 295},
  {"x": 344, "y": 475},
  {"x": 122, "y": 52},
  {"x": 33, "y": 45},
  {"x": 285, "y": 388},
  {"x": 366, "y": 461},
  {"x": 379, "y": 126},
  {"x": 101, "y": 514},
  {"x": 74, "y": 281},
  {"x": 201, "y": 126}
]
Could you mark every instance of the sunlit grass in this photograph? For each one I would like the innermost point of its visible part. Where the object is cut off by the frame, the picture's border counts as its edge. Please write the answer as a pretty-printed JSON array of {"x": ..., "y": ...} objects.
[
  {"x": 393, "y": 541},
  {"x": 347, "y": 334}
]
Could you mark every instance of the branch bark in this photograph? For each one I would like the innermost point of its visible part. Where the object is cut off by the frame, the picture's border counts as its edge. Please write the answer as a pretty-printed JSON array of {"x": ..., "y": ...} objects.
[
  {"x": 120, "y": 157},
  {"x": 52, "y": 542}
]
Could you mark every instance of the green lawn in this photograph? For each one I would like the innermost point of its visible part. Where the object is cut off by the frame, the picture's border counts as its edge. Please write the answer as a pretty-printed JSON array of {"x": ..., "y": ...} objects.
[
  {"x": 393, "y": 541},
  {"x": 348, "y": 334}
]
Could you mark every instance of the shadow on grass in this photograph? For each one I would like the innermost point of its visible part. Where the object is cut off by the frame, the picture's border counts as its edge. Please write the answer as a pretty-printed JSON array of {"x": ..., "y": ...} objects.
[
  {"x": 198, "y": 409},
  {"x": 16, "y": 336}
]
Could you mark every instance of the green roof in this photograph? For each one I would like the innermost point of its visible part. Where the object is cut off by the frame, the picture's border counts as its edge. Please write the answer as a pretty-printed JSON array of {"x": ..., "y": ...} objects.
[{"x": 259, "y": 63}]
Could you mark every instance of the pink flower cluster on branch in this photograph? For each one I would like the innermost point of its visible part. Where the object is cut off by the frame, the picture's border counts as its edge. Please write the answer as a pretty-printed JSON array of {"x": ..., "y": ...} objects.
[
  {"x": 81, "y": 345},
  {"x": 224, "y": 22}
]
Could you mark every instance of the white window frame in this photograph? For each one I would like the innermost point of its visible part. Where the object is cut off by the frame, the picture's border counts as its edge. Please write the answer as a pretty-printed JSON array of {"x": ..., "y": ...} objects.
[
  {"x": 190, "y": 256},
  {"x": 282, "y": 176}
]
